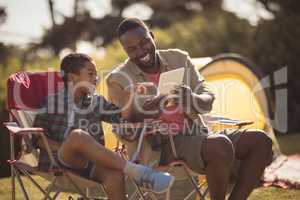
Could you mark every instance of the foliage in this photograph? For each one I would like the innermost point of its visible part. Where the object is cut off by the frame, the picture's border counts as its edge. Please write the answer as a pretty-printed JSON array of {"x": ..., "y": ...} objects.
[
  {"x": 201, "y": 36},
  {"x": 209, "y": 35},
  {"x": 277, "y": 45},
  {"x": 114, "y": 56},
  {"x": 82, "y": 26}
]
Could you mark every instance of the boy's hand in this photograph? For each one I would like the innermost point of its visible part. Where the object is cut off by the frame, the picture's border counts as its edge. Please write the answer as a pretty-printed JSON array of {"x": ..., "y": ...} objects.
[
  {"x": 155, "y": 103},
  {"x": 141, "y": 88}
]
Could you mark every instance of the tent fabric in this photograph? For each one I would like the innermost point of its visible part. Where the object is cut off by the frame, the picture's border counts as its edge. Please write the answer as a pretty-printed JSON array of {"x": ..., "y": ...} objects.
[
  {"x": 26, "y": 90},
  {"x": 237, "y": 85}
]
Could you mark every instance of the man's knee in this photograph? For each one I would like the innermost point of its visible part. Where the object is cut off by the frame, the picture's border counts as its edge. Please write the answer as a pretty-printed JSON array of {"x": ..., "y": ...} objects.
[
  {"x": 259, "y": 140},
  {"x": 255, "y": 142},
  {"x": 265, "y": 145},
  {"x": 219, "y": 149}
]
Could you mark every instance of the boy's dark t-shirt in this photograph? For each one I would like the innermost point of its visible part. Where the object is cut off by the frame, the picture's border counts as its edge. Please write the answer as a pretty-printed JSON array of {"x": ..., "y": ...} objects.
[{"x": 59, "y": 115}]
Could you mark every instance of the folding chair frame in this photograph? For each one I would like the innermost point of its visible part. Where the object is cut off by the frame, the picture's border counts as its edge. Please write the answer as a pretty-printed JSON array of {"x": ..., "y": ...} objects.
[
  {"x": 201, "y": 189},
  {"x": 25, "y": 91},
  {"x": 179, "y": 163},
  {"x": 17, "y": 167}
]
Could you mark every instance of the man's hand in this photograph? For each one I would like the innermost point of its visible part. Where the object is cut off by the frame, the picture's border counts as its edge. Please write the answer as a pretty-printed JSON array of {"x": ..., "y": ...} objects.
[{"x": 182, "y": 94}]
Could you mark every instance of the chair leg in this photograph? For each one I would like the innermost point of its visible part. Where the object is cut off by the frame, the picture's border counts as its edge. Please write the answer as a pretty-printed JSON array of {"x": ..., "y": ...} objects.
[
  {"x": 190, "y": 194},
  {"x": 77, "y": 187},
  {"x": 168, "y": 194},
  {"x": 133, "y": 195},
  {"x": 102, "y": 189},
  {"x": 13, "y": 183},
  {"x": 49, "y": 189},
  {"x": 139, "y": 190},
  {"x": 152, "y": 196},
  {"x": 100, "y": 195},
  {"x": 56, "y": 195},
  {"x": 12, "y": 169},
  {"x": 21, "y": 184},
  {"x": 194, "y": 183},
  {"x": 35, "y": 183}
]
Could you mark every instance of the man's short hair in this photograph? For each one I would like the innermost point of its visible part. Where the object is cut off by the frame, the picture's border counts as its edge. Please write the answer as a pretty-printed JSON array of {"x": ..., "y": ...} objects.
[
  {"x": 130, "y": 23},
  {"x": 72, "y": 63}
]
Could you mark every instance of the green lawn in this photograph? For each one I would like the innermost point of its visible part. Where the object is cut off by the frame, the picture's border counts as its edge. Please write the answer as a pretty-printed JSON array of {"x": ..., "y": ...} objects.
[{"x": 289, "y": 145}]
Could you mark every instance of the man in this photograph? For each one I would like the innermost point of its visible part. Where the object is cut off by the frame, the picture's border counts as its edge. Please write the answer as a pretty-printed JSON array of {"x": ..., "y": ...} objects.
[
  {"x": 214, "y": 155},
  {"x": 72, "y": 124}
]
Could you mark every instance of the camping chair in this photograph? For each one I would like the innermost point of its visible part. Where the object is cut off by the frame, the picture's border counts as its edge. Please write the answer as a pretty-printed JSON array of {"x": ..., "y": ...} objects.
[
  {"x": 25, "y": 92},
  {"x": 178, "y": 167}
]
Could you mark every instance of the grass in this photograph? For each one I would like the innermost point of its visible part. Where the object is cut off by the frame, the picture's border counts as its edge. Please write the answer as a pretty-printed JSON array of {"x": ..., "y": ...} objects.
[
  {"x": 5, "y": 193},
  {"x": 289, "y": 145}
]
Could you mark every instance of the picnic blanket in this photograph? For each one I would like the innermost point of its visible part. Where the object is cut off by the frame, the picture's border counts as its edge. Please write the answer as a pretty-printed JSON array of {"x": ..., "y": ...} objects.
[{"x": 284, "y": 172}]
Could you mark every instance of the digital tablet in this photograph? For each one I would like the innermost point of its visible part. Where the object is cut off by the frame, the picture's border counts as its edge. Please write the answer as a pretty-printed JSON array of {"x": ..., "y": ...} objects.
[{"x": 168, "y": 80}]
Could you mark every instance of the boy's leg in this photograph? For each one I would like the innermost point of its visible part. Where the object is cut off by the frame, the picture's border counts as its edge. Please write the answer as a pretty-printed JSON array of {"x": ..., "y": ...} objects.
[
  {"x": 80, "y": 147},
  {"x": 254, "y": 149},
  {"x": 113, "y": 181}
]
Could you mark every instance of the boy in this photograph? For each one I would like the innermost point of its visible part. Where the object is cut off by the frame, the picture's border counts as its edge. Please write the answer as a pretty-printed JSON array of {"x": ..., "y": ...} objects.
[{"x": 72, "y": 124}]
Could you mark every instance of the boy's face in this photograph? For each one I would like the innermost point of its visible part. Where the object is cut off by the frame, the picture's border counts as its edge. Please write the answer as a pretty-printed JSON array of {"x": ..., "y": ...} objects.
[{"x": 86, "y": 80}]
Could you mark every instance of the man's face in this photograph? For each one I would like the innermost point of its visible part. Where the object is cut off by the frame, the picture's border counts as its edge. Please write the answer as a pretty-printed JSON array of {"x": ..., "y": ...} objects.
[
  {"x": 86, "y": 80},
  {"x": 140, "y": 47}
]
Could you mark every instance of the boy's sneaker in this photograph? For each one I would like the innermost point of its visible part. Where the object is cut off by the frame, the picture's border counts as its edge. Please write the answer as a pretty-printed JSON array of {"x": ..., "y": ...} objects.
[{"x": 157, "y": 182}]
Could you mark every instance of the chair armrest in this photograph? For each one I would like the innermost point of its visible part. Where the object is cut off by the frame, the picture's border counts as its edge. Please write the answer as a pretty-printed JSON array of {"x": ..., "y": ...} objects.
[
  {"x": 220, "y": 120},
  {"x": 244, "y": 123},
  {"x": 15, "y": 129}
]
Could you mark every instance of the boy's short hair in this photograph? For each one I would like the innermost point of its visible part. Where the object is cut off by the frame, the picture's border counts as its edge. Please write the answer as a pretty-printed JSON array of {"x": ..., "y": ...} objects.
[
  {"x": 130, "y": 23},
  {"x": 72, "y": 63}
]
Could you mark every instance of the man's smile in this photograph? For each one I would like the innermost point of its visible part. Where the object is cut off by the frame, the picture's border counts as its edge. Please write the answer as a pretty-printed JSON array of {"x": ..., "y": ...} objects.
[{"x": 146, "y": 58}]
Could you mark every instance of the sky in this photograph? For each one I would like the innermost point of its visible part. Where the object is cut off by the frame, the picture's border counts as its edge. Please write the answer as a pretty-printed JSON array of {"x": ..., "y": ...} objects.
[{"x": 27, "y": 19}]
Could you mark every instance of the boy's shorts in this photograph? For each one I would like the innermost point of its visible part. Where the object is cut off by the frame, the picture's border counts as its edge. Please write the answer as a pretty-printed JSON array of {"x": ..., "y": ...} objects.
[
  {"x": 188, "y": 148},
  {"x": 86, "y": 172},
  {"x": 44, "y": 164}
]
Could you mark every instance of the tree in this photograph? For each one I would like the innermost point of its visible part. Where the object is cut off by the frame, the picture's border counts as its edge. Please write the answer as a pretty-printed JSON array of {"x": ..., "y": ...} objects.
[
  {"x": 51, "y": 9},
  {"x": 3, "y": 15},
  {"x": 4, "y": 51},
  {"x": 81, "y": 26},
  {"x": 277, "y": 45}
]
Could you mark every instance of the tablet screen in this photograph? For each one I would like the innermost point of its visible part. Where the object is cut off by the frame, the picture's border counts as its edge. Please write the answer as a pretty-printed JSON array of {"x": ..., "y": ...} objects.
[{"x": 169, "y": 79}]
